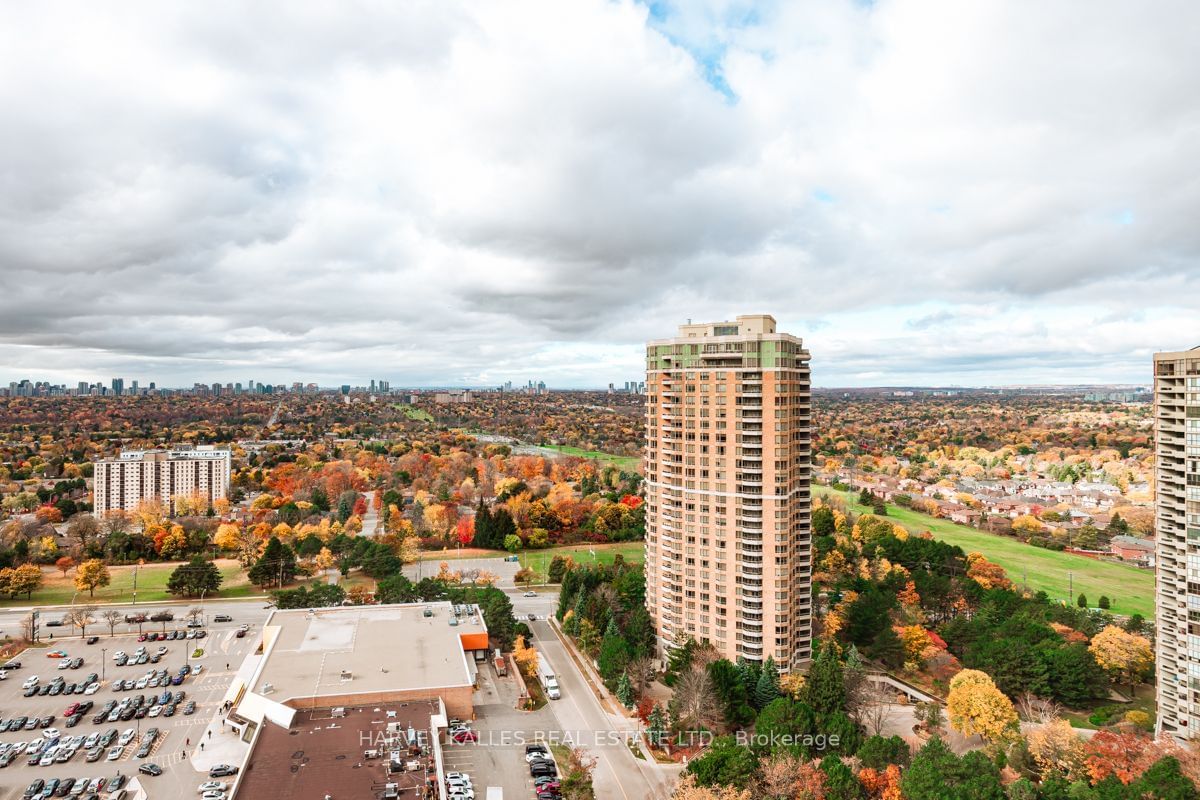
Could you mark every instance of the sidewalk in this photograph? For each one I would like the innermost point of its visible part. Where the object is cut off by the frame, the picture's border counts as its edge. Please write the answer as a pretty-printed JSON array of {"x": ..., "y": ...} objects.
[{"x": 222, "y": 745}]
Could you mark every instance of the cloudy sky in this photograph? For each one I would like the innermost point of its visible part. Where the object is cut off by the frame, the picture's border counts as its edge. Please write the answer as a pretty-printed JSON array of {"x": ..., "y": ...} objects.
[{"x": 462, "y": 193}]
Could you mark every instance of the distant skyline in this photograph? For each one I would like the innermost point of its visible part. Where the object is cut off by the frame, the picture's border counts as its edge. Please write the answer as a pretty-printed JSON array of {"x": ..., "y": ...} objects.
[{"x": 463, "y": 193}]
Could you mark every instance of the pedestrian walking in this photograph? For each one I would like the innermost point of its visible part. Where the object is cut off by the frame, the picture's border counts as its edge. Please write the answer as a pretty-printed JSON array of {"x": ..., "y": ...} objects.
[
  {"x": 202, "y": 747},
  {"x": 210, "y": 732},
  {"x": 188, "y": 742}
]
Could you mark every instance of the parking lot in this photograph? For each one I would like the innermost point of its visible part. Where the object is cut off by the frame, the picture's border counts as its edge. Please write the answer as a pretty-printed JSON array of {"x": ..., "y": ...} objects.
[
  {"x": 498, "y": 758},
  {"x": 179, "y": 728}
]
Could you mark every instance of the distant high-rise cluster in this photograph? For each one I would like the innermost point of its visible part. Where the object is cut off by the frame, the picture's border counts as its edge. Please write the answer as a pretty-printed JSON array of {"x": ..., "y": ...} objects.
[
  {"x": 1177, "y": 540},
  {"x": 199, "y": 476},
  {"x": 728, "y": 455}
]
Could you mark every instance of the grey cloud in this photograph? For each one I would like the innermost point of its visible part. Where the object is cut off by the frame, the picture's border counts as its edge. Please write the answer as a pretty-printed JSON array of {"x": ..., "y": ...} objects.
[{"x": 338, "y": 191}]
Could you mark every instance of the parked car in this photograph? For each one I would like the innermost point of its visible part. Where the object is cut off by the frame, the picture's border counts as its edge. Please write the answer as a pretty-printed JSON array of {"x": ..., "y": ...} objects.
[
  {"x": 222, "y": 618},
  {"x": 222, "y": 771},
  {"x": 153, "y": 769}
]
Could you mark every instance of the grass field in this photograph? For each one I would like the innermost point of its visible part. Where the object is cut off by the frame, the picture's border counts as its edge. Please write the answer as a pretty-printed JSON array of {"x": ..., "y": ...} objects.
[
  {"x": 605, "y": 553},
  {"x": 626, "y": 463},
  {"x": 1131, "y": 590},
  {"x": 633, "y": 552},
  {"x": 415, "y": 413},
  {"x": 151, "y": 586}
]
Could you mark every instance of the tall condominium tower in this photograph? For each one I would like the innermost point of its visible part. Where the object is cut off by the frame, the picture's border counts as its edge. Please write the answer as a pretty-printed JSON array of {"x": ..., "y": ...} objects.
[
  {"x": 1177, "y": 540},
  {"x": 728, "y": 452},
  {"x": 163, "y": 476}
]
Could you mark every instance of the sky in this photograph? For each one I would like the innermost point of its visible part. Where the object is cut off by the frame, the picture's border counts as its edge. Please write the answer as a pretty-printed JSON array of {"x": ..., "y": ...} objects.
[{"x": 462, "y": 193}]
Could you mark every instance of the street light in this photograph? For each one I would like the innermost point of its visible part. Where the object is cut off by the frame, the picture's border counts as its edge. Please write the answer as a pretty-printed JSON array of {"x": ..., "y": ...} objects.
[{"x": 103, "y": 661}]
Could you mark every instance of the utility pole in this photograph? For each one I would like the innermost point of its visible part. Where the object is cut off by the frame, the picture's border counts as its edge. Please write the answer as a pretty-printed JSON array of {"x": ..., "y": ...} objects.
[{"x": 1071, "y": 587}]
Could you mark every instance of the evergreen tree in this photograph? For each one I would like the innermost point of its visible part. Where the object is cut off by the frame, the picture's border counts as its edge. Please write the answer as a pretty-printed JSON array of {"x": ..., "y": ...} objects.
[
  {"x": 840, "y": 783},
  {"x": 483, "y": 527},
  {"x": 766, "y": 687},
  {"x": 558, "y": 565},
  {"x": 275, "y": 567},
  {"x": 887, "y": 648},
  {"x": 727, "y": 686},
  {"x": 625, "y": 691},
  {"x": 1082, "y": 601},
  {"x": 196, "y": 577},
  {"x": 679, "y": 658},
  {"x": 825, "y": 690},
  {"x": 656, "y": 725},
  {"x": 502, "y": 526},
  {"x": 1164, "y": 781}
]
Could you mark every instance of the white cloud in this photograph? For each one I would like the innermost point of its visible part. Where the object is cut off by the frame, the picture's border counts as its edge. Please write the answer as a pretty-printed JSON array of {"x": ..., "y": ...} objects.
[{"x": 465, "y": 192}]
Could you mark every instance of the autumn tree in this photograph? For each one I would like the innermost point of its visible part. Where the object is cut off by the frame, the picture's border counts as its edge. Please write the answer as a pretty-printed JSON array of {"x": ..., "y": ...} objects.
[
  {"x": 1125, "y": 656},
  {"x": 25, "y": 579},
  {"x": 90, "y": 575},
  {"x": 1057, "y": 749},
  {"x": 976, "y": 706},
  {"x": 64, "y": 564}
]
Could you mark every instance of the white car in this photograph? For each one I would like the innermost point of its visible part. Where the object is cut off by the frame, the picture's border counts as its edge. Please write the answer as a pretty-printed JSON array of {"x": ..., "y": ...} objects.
[
  {"x": 211, "y": 786},
  {"x": 462, "y": 792},
  {"x": 117, "y": 656},
  {"x": 530, "y": 594},
  {"x": 116, "y": 752},
  {"x": 31, "y": 681},
  {"x": 154, "y": 711},
  {"x": 126, "y": 736},
  {"x": 92, "y": 688},
  {"x": 213, "y": 796},
  {"x": 51, "y": 733},
  {"x": 64, "y": 663},
  {"x": 141, "y": 684},
  {"x": 3, "y": 675}
]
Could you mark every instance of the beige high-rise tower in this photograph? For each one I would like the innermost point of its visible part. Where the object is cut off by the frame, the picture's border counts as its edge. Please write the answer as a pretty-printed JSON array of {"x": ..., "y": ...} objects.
[
  {"x": 1177, "y": 541},
  {"x": 728, "y": 465}
]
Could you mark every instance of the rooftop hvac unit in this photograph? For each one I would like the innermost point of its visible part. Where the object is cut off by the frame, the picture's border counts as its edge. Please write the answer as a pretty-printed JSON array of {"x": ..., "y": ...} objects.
[
  {"x": 267, "y": 688},
  {"x": 338, "y": 712},
  {"x": 347, "y": 675}
]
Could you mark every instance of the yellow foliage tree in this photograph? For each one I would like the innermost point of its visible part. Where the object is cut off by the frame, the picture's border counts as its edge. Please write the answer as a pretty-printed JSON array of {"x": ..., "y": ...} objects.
[
  {"x": 228, "y": 536},
  {"x": 1126, "y": 656},
  {"x": 91, "y": 574},
  {"x": 526, "y": 658},
  {"x": 976, "y": 706},
  {"x": 1057, "y": 748}
]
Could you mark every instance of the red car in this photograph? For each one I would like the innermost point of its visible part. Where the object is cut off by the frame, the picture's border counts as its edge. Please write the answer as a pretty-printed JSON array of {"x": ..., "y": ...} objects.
[
  {"x": 71, "y": 709},
  {"x": 141, "y": 637},
  {"x": 464, "y": 736}
]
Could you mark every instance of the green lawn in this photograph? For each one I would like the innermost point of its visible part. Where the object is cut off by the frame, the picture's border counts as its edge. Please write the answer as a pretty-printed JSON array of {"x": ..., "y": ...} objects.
[
  {"x": 415, "y": 413},
  {"x": 151, "y": 586},
  {"x": 626, "y": 463},
  {"x": 1131, "y": 590},
  {"x": 633, "y": 552}
]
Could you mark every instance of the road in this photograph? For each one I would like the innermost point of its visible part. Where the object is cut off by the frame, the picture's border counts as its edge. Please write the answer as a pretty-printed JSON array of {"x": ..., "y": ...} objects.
[
  {"x": 370, "y": 521},
  {"x": 618, "y": 775},
  {"x": 10, "y": 618}
]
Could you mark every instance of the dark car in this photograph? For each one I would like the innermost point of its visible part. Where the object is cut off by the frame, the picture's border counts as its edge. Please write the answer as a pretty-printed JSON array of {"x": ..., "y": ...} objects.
[
  {"x": 74, "y": 719},
  {"x": 116, "y": 783},
  {"x": 64, "y": 788},
  {"x": 93, "y": 639},
  {"x": 12, "y": 665},
  {"x": 144, "y": 750},
  {"x": 31, "y": 691},
  {"x": 190, "y": 708},
  {"x": 155, "y": 769},
  {"x": 219, "y": 771},
  {"x": 44, "y": 689},
  {"x": 162, "y": 616},
  {"x": 201, "y": 634},
  {"x": 128, "y": 713},
  {"x": 46, "y": 721},
  {"x": 222, "y": 618},
  {"x": 241, "y": 634},
  {"x": 169, "y": 711},
  {"x": 34, "y": 788}
]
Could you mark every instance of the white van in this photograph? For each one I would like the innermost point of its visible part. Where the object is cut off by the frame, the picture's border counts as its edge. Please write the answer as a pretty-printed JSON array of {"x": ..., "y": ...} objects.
[{"x": 31, "y": 681}]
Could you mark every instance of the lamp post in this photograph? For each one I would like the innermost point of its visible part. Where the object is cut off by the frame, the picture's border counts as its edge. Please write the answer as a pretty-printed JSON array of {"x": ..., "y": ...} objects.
[{"x": 103, "y": 661}]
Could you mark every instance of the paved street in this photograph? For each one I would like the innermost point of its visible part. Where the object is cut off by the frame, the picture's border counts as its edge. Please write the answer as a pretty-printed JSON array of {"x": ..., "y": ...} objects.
[{"x": 618, "y": 774}]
